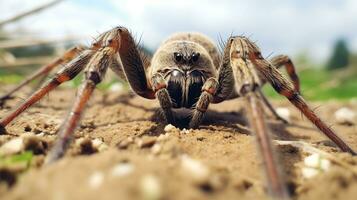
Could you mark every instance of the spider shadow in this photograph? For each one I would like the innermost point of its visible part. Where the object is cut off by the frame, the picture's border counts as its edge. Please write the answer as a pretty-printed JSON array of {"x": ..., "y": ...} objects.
[{"x": 235, "y": 121}]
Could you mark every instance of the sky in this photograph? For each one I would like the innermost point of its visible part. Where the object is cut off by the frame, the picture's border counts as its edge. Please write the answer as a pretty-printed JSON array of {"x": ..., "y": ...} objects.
[{"x": 279, "y": 26}]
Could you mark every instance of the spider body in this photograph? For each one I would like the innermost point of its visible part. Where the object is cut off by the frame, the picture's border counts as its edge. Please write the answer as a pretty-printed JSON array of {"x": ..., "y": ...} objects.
[
  {"x": 185, "y": 72},
  {"x": 185, "y": 62}
]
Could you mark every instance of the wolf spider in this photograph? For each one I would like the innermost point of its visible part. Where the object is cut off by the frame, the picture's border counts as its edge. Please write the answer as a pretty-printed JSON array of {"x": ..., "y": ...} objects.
[{"x": 185, "y": 72}]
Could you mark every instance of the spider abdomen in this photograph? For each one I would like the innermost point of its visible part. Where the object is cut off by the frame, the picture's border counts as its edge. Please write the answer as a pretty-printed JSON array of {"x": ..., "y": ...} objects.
[{"x": 185, "y": 87}]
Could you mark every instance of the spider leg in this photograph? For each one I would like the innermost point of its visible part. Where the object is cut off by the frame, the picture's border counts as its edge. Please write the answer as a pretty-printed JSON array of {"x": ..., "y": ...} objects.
[
  {"x": 67, "y": 73},
  {"x": 94, "y": 73},
  {"x": 209, "y": 90},
  {"x": 160, "y": 87},
  {"x": 213, "y": 90},
  {"x": 43, "y": 71},
  {"x": 276, "y": 183},
  {"x": 284, "y": 60},
  {"x": 286, "y": 88},
  {"x": 270, "y": 107},
  {"x": 129, "y": 61}
]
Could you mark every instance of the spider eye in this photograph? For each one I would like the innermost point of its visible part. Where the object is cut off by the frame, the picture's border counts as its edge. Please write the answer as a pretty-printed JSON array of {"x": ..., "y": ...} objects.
[
  {"x": 178, "y": 56},
  {"x": 195, "y": 56}
]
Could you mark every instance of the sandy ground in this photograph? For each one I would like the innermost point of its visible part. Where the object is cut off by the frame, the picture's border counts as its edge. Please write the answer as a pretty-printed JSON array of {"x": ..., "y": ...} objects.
[{"x": 140, "y": 160}]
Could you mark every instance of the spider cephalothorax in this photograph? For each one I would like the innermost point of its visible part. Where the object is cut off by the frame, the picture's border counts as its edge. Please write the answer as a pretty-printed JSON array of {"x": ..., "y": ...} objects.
[
  {"x": 185, "y": 72},
  {"x": 185, "y": 66}
]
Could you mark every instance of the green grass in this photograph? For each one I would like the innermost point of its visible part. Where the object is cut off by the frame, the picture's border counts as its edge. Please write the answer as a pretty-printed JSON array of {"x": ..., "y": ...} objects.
[
  {"x": 23, "y": 159},
  {"x": 319, "y": 84}
]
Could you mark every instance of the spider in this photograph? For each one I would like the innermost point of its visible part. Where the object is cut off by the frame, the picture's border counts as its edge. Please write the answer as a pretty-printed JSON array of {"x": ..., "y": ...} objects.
[{"x": 186, "y": 71}]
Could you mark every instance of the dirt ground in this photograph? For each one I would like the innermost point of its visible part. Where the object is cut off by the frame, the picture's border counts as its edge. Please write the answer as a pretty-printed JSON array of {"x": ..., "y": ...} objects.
[{"x": 140, "y": 160}]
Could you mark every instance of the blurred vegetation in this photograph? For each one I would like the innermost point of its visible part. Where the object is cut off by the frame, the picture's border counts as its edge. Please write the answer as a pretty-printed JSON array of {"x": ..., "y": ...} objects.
[
  {"x": 320, "y": 83},
  {"x": 340, "y": 56},
  {"x": 24, "y": 159}
]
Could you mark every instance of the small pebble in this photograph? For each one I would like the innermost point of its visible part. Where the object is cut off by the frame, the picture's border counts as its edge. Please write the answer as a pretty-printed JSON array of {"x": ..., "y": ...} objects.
[
  {"x": 85, "y": 146},
  {"x": 150, "y": 188},
  {"x": 185, "y": 131},
  {"x": 122, "y": 169},
  {"x": 99, "y": 145},
  {"x": 13, "y": 146},
  {"x": 314, "y": 164},
  {"x": 195, "y": 169},
  {"x": 169, "y": 128},
  {"x": 308, "y": 172},
  {"x": 97, "y": 142},
  {"x": 146, "y": 142},
  {"x": 284, "y": 113},
  {"x": 116, "y": 87},
  {"x": 345, "y": 116},
  {"x": 156, "y": 149},
  {"x": 96, "y": 180},
  {"x": 34, "y": 143},
  {"x": 124, "y": 144}
]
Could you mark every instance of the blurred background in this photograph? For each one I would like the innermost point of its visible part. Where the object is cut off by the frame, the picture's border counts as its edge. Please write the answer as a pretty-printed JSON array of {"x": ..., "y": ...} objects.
[{"x": 320, "y": 36}]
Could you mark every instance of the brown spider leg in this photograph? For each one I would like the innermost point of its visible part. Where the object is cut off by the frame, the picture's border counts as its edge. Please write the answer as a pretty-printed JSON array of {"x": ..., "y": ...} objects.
[
  {"x": 133, "y": 65},
  {"x": 96, "y": 69},
  {"x": 70, "y": 124},
  {"x": 225, "y": 76},
  {"x": 284, "y": 60},
  {"x": 208, "y": 92},
  {"x": 285, "y": 88},
  {"x": 270, "y": 107},
  {"x": 43, "y": 71},
  {"x": 160, "y": 87},
  {"x": 276, "y": 183},
  {"x": 214, "y": 91},
  {"x": 65, "y": 74}
]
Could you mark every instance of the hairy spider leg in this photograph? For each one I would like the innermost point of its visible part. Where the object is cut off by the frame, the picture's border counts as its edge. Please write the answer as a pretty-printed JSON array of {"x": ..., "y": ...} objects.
[
  {"x": 213, "y": 90},
  {"x": 68, "y": 72},
  {"x": 275, "y": 181},
  {"x": 44, "y": 71},
  {"x": 284, "y": 60},
  {"x": 286, "y": 88}
]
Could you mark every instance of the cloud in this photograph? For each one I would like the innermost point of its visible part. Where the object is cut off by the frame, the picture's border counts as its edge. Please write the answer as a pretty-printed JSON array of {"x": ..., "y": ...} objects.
[{"x": 279, "y": 26}]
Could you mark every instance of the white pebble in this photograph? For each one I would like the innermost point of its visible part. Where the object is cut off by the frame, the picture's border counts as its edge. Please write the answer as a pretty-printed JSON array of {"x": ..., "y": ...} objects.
[
  {"x": 312, "y": 161},
  {"x": 308, "y": 172},
  {"x": 99, "y": 145},
  {"x": 103, "y": 147},
  {"x": 315, "y": 164},
  {"x": 185, "y": 131},
  {"x": 169, "y": 128},
  {"x": 12, "y": 147},
  {"x": 116, "y": 87},
  {"x": 150, "y": 188},
  {"x": 122, "y": 169},
  {"x": 156, "y": 149},
  {"x": 284, "y": 113},
  {"x": 198, "y": 171},
  {"x": 345, "y": 115},
  {"x": 97, "y": 142},
  {"x": 96, "y": 180}
]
